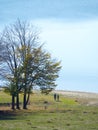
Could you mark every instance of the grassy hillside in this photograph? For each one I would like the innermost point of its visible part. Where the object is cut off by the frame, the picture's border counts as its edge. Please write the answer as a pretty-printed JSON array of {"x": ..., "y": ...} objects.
[{"x": 70, "y": 113}]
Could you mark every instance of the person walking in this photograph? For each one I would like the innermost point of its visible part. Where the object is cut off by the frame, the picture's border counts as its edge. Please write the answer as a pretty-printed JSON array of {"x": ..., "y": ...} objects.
[
  {"x": 55, "y": 96},
  {"x": 58, "y": 97}
]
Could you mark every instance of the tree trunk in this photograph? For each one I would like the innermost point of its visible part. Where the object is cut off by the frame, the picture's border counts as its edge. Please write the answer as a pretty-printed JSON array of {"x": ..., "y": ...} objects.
[
  {"x": 17, "y": 101},
  {"x": 27, "y": 101},
  {"x": 24, "y": 101},
  {"x": 13, "y": 101}
]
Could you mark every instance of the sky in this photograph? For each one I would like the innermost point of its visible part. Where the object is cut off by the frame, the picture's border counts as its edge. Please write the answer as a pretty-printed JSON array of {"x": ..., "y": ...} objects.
[{"x": 69, "y": 29}]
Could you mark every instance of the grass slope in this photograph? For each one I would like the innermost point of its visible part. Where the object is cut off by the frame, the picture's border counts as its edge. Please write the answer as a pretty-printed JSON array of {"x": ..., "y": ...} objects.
[{"x": 67, "y": 114}]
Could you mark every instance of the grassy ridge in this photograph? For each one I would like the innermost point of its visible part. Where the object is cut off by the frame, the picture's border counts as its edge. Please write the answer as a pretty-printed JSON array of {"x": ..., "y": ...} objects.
[{"x": 67, "y": 114}]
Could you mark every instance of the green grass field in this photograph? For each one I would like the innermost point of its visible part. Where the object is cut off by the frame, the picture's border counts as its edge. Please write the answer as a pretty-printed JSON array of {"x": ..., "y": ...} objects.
[{"x": 67, "y": 114}]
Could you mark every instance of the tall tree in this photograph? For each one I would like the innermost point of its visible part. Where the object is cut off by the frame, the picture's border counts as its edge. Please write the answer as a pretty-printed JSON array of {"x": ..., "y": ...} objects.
[
  {"x": 39, "y": 69},
  {"x": 27, "y": 63},
  {"x": 11, "y": 64}
]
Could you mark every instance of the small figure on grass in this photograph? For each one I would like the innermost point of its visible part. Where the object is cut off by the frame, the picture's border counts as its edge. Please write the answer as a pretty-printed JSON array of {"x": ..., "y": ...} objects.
[
  {"x": 58, "y": 97},
  {"x": 55, "y": 96},
  {"x": 45, "y": 105}
]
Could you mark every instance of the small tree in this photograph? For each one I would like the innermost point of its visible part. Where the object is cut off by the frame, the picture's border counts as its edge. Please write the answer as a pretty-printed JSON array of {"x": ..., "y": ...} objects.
[{"x": 26, "y": 62}]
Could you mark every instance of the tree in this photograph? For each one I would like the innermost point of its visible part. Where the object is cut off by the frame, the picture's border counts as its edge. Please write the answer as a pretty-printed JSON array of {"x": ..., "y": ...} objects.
[
  {"x": 39, "y": 69},
  {"x": 27, "y": 63},
  {"x": 11, "y": 64}
]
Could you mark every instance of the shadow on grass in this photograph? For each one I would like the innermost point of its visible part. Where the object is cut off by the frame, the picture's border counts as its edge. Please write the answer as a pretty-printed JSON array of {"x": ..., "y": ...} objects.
[{"x": 7, "y": 115}]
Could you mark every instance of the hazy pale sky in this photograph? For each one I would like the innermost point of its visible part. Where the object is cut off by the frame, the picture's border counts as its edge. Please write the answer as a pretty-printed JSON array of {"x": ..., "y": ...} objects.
[{"x": 69, "y": 29}]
